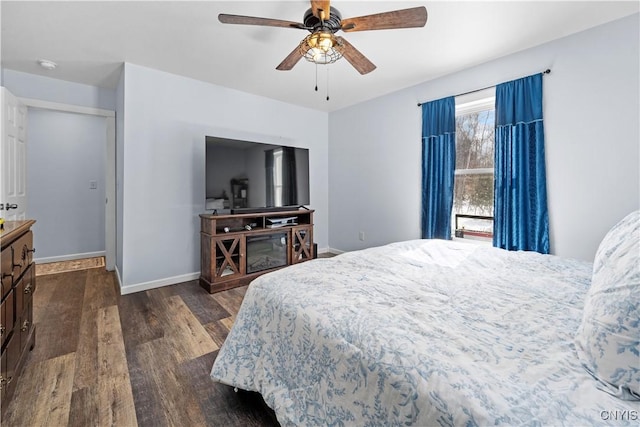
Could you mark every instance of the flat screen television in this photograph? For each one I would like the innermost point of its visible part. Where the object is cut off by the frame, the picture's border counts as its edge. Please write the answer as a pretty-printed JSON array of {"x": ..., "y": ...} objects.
[{"x": 246, "y": 176}]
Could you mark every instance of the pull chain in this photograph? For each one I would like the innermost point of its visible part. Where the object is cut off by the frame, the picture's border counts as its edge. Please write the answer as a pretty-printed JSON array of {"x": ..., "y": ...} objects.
[
  {"x": 327, "y": 83},
  {"x": 316, "y": 76},
  {"x": 316, "y": 88}
]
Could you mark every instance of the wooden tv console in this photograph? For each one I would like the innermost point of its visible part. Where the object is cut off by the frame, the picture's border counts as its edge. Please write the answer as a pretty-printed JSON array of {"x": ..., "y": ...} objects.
[{"x": 235, "y": 249}]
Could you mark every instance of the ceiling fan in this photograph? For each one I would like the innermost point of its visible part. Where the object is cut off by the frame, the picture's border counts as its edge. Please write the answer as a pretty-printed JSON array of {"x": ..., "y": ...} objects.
[{"x": 322, "y": 20}]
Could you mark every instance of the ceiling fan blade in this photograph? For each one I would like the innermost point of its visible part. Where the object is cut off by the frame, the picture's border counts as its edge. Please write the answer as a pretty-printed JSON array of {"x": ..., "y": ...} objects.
[
  {"x": 321, "y": 9},
  {"x": 404, "y": 18},
  {"x": 251, "y": 20},
  {"x": 291, "y": 60},
  {"x": 355, "y": 58}
]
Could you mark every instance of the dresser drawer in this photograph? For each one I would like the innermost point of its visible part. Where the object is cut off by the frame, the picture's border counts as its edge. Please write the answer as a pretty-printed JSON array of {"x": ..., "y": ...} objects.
[
  {"x": 7, "y": 277},
  {"x": 10, "y": 357},
  {"x": 6, "y": 317},
  {"x": 26, "y": 324},
  {"x": 22, "y": 252},
  {"x": 24, "y": 289},
  {"x": 3, "y": 375}
]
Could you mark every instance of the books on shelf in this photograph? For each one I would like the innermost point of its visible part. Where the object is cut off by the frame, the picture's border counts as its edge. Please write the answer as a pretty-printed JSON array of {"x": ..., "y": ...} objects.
[{"x": 281, "y": 222}]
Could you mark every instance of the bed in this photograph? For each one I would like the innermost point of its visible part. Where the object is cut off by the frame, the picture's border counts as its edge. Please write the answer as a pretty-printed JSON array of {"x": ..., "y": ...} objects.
[{"x": 431, "y": 332}]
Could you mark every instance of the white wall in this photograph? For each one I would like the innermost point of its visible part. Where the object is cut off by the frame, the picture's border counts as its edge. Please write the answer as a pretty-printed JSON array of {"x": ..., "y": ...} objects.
[
  {"x": 591, "y": 110},
  {"x": 166, "y": 119},
  {"x": 65, "y": 152}
]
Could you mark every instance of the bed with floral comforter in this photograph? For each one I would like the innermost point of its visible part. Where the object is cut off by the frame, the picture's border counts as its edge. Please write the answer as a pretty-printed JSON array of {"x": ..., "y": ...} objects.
[{"x": 425, "y": 333}]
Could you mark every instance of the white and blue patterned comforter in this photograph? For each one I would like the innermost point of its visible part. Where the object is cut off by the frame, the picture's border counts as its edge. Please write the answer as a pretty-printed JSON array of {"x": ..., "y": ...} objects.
[{"x": 424, "y": 333}]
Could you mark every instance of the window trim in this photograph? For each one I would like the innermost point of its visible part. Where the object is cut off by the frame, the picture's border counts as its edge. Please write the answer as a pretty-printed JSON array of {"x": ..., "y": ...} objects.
[
  {"x": 477, "y": 171},
  {"x": 474, "y": 102}
]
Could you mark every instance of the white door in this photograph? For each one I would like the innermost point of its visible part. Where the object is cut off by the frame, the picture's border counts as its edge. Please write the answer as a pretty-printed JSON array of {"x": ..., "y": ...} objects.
[{"x": 13, "y": 158}]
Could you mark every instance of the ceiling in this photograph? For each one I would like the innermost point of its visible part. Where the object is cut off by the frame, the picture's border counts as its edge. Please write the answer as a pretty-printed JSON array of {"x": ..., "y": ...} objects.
[{"x": 91, "y": 39}]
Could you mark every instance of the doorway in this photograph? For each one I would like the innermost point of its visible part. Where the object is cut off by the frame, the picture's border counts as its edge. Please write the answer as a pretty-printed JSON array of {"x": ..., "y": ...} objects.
[{"x": 79, "y": 179}]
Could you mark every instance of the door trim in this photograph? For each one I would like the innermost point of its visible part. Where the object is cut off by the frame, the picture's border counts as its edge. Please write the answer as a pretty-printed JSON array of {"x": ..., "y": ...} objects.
[
  {"x": 110, "y": 167},
  {"x": 69, "y": 108}
]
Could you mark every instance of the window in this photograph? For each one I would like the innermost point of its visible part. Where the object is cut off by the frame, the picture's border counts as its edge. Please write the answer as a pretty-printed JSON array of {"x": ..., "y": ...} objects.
[
  {"x": 277, "y": 176},
  {"x": 473, "y": 182}
]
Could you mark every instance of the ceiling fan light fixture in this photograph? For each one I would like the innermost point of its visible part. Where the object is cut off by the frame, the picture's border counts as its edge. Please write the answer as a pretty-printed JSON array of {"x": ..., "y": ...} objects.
[
  {"x": 320, "y": 48},
  {"x": 322, "y": 21}
]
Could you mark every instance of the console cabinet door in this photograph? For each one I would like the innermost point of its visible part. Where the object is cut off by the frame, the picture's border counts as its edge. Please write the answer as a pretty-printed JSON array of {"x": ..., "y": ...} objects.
[
  {"x": 228, "y": 257},
  {"x": 302, "y": 244}
]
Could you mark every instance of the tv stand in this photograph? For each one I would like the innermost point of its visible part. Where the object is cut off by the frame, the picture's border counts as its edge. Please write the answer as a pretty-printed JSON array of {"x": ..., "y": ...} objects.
[{"x": 237, "y": 248}]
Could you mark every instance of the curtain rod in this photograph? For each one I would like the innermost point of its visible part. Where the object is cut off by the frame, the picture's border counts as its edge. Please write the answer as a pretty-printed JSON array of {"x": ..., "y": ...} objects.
[{"x": 547, "y": 71}]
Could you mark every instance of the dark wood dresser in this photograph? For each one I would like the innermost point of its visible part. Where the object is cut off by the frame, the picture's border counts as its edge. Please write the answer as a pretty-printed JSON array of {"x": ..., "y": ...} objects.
[{"x": 17, "y": 331}]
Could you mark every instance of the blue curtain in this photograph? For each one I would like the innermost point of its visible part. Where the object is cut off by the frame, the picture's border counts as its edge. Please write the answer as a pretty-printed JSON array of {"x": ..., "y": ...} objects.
[
  {"x": 438, "y": 165},
  {"x": 521, "y": 220}
]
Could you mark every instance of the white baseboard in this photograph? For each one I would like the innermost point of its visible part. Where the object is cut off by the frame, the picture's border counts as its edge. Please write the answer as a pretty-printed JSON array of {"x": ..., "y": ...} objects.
[
  {"x": 70, "y": 257},
  {"x": 332, "y": 251},
  {"x": 139, "y": 287},
  {"x": 329, "y": 250}
]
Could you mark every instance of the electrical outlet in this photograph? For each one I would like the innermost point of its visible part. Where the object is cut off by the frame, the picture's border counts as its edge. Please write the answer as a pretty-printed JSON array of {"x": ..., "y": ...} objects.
[{"x": 361, "y": 236}]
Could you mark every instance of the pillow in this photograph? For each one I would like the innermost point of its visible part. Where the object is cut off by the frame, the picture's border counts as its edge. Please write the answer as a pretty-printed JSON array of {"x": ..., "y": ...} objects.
[{"x": 608, "y": 340}]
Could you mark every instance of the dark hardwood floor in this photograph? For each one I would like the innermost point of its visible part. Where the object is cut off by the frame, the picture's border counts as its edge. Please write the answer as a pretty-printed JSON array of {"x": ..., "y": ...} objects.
[{"x": 140, "y": 359}]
